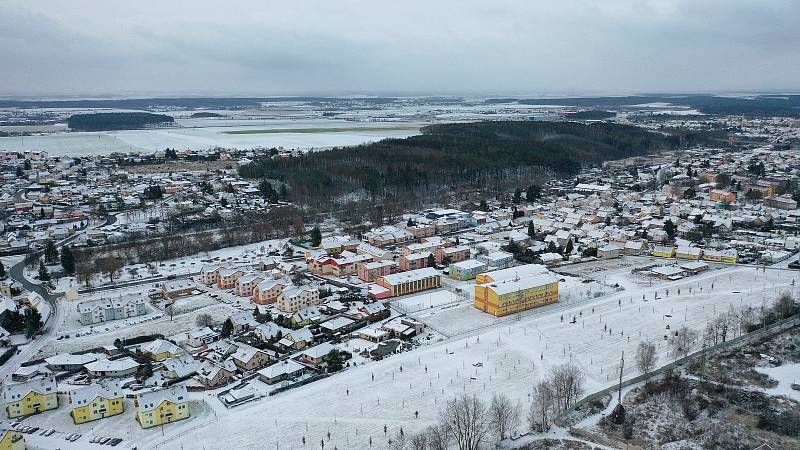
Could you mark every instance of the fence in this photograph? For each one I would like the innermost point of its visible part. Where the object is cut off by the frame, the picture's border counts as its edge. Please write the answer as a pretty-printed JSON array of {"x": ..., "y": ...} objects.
[{"x": 770, "y": 330}]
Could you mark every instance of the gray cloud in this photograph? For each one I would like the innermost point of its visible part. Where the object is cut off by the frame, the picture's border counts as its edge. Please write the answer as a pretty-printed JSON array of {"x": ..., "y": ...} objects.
[{"x": 96, "y": 47}]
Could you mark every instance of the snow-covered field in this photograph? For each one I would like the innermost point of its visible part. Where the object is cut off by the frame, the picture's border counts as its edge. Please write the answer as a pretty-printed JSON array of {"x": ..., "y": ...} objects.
[
  {"x": 514, "y": 353},
  {"x": 89, "y": 143}
]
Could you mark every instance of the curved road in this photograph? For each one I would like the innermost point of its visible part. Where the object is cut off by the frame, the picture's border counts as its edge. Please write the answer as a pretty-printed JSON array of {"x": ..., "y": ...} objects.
[{"x": 17, "y": 273}]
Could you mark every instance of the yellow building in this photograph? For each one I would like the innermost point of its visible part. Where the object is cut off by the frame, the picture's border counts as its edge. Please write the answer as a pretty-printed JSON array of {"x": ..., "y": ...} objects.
[
  {"x": 161, "y": 349},
  {"x": 95, "y": 402},
  {"x": 162, "y": 406},
  {"x": 687, "y": 252},
  {"x": 729, "y": 256},
  {"x": 12, "y": 440},
  {"x": 519, "y": 294},
  {"x": 30, "y": 397},
  {"x": 524, "y": 271},
  {"x": 664, "y": 251}
]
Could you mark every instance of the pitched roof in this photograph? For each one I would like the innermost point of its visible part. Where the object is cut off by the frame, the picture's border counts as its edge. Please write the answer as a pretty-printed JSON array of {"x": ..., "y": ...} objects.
[{"x": 147, "y": 401}]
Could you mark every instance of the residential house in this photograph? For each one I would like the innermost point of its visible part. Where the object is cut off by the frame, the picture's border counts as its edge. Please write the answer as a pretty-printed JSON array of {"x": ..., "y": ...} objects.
[
  {"x": 375, "y": 311},
  {"x": 121, "y": 367},
  {"x": 67, "y": 362},
  {"x": 297, "y": 339},
  {"x": 269, "y": 330},
  {"x": 414, "y": 261},
  {"x": 228, "y": 278},
  {"x": 179, "y": 367},
  {"x": 103, "y": 310},
  {"x": 718, "y": 195},
  {"x": 246, "y": 284},
  {"x": 687, "y": 252},
  {"x": 209, "y": 275},
  {"x": 609, "y": 251},
  {"x": 403, "y": 327},
  {"x": 243, "y": 321},
  {"x": 214, "y": 374},
  {"x": 201, "y": 336},
  {"x": 162, "y": 406},
  {"x": 339, "y": 324},
  {"x": 447, "y": 255},
  {"x": 248, "y": 358},
  {"x": 634, "y": 248},
  {"x": 173, "y": 289},
  {"x": 296, "y": 298},
  {"x": 12, "y": 440},
  {"x": 315, "y": 356},
  {"x": 30, "y": 397},
  {"x": 268, "y": 291},
  {"x": 94, "y": 402},
  {"x": 307, "y": 315},
  {"x": 343, "y": 266},
  {"x": 160, "y": 349},
  {"x": 371, "y": 270},
  {"x": 284, "y": 370},
  {"x": 664, "y": 251}
]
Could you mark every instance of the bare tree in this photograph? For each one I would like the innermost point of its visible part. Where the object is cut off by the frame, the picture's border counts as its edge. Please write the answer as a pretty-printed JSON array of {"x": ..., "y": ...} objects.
[
  {"x": 110, "y": 265},
  {"x": 646, "y": 357},
  {"x": 399, "y": 442},
  {"x": 683, "y": 341},
  {"x": 85, "y": 272},
  {"x": 204, "y": 320},
  {"x": 542, "y": 405},
  {"x": 503, "y": 416},
  {"x": 567, "y": 383},
  {"x": 467, "y": 421},
  {"x": 438, "y": 437},
  {"x": 419, "y": 441}
]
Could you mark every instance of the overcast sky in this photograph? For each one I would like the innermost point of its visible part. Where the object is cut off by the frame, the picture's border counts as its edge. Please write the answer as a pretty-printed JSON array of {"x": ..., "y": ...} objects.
[{"x": 462, "y": 47}]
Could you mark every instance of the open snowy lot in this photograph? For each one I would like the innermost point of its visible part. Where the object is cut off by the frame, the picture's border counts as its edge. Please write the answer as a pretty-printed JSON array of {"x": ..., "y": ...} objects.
[{"x": 514, "y": 352}]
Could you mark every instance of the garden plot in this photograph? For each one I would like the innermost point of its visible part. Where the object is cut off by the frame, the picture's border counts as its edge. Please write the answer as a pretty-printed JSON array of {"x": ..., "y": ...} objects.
[
  {"x": 162, "y": 325},
  {"x": 786, "y": 376},
  {"x": 191, "y": 303}
]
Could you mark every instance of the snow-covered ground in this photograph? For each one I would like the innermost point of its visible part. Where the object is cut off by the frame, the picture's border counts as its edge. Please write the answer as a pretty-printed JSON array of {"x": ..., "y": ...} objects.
[
  {"x": 514, "y": 353},
  {"x": 155, "y": 139},
  {"x": 136, "y": 326},
  {"x": 242, "y": 255},
  {"x": 785, "y": 375}
]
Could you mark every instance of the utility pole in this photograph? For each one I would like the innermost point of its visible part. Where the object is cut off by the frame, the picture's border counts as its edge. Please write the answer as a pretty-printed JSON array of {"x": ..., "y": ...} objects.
[{"x": 621, "y": 366}]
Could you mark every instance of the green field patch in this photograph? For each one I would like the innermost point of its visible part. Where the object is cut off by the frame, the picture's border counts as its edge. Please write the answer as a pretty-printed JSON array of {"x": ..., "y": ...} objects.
[{"x": 323, "y": 130}]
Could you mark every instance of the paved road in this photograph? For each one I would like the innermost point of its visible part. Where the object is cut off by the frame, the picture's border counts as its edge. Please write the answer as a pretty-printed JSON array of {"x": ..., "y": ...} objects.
[
  {"x": 56, "y": 317},
  {"x": 108, "y": 287}
]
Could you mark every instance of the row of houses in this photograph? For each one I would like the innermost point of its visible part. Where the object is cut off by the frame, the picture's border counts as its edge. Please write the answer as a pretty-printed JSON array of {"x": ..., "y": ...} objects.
[{"x": 95, "y": 402}]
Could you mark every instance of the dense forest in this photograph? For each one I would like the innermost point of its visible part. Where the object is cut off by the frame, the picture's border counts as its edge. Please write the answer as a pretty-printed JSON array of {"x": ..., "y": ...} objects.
[
  {"x": 490, "y": 156},
  {"x": 203, "y": 114},
  {"x": 115, "y": 121}
]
